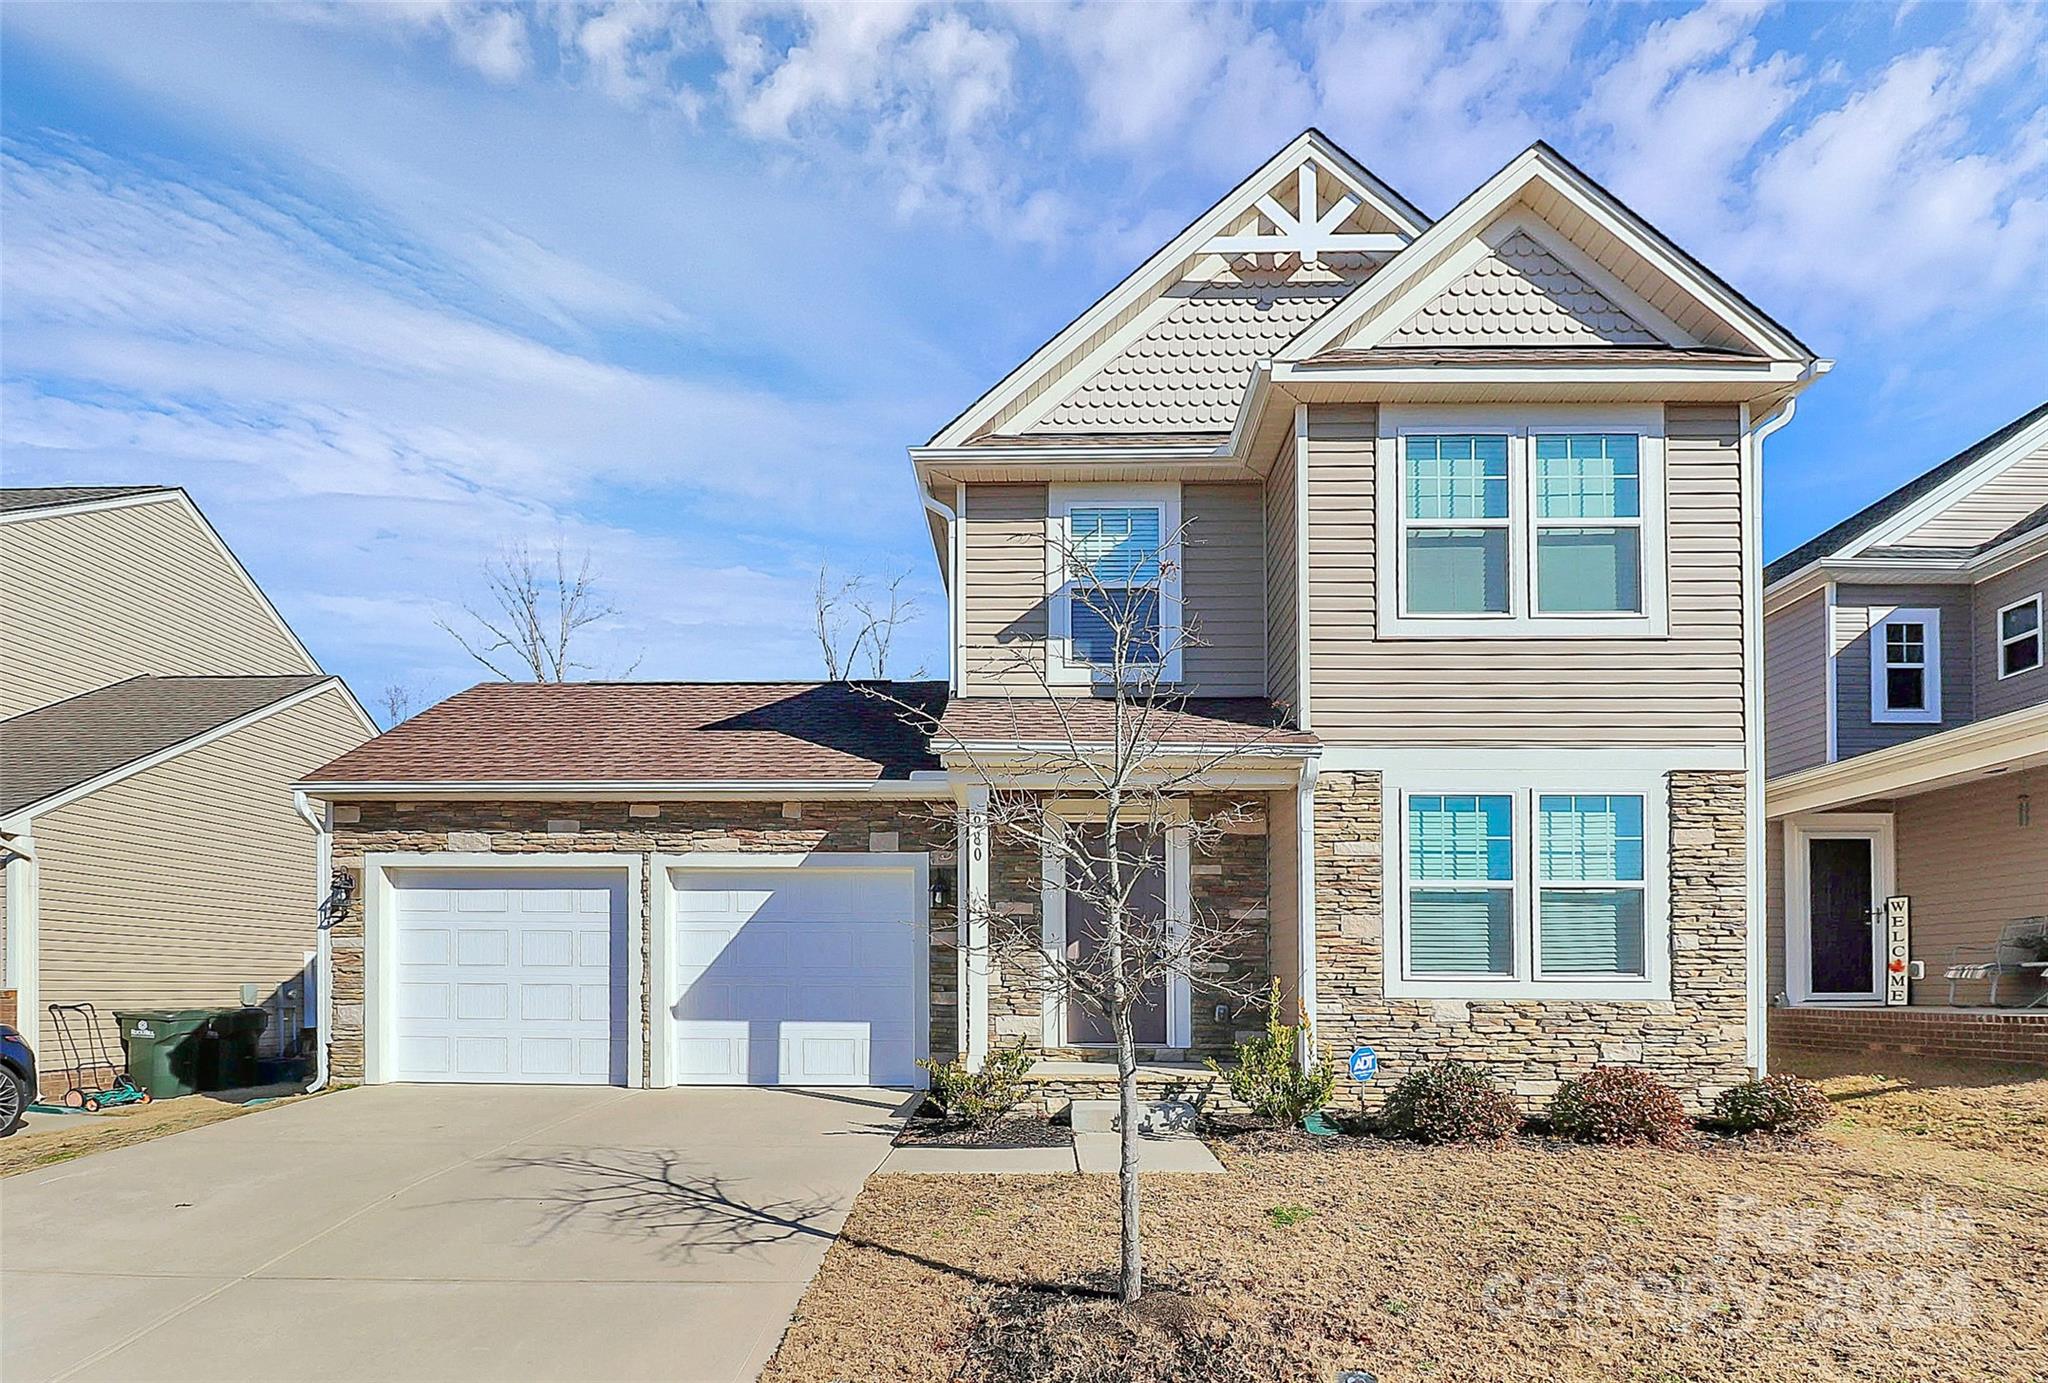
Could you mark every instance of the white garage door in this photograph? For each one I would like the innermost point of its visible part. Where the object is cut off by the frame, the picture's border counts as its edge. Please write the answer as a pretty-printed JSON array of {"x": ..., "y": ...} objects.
[
  {"x": 507, "y": 976},
  {"x": 808, "y": 974}
]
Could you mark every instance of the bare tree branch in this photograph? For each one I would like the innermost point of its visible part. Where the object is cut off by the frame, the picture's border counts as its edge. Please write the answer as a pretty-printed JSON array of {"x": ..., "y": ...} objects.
[
  {"x": 856, "y": 619},
  {"x": 531, "y": 626},
  {"x": 398, "y": 701}
]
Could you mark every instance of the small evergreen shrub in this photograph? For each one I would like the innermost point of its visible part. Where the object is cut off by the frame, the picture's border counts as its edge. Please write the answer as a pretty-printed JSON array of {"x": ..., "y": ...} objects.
[
  {"x": 1620, "y": 1104},
  {"x": 1270, "y": 1078},
  {"x": 979, "y": 1098},
  {"x": 1449, "y": 1102},
  {"x": 1783, "y": 1104}
]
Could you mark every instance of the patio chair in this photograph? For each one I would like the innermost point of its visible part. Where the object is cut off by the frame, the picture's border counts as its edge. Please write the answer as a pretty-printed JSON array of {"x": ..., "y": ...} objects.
[{"x": 2021, "y": 948}]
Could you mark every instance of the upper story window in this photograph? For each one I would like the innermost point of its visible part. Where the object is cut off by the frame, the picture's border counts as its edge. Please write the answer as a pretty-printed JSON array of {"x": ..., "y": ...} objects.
[
  {"x": 1905, "y": 667},
  {"x": 1110, "y": 575},
  {"x": 1546, "y": 525},
  {"x": 1534, "y": 888},
  {"x": 2019, "y": 637}
]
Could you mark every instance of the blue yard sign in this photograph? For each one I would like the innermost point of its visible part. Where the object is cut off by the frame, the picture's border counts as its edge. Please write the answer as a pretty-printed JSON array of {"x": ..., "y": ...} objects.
[{"x": 1364, "y": 1063}]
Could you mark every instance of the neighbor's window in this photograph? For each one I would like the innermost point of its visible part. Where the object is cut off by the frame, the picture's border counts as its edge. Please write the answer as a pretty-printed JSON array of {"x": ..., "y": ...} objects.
[
  {"x": 1589, "y": 908},
  {"x": 1118, "y": 549},
  {"x": 1527, "y": 530},
  {"x": 1905, "y": 667},
  {"x": 2019, "y": 637},
  {"x": 1581, "y": 567}
]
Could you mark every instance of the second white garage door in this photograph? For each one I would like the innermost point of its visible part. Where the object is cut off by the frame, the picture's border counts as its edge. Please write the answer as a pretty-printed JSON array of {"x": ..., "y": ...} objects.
[{"x": 806, "y": 973}]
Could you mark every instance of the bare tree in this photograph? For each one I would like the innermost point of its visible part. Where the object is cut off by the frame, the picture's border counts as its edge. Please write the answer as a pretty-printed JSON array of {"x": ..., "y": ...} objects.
[
  {"x": 1103, "y": 793},
  {"x": 399, "y": 701},
  {"x": 531, "y": 627},
  {"x": 856, "y": 619}
]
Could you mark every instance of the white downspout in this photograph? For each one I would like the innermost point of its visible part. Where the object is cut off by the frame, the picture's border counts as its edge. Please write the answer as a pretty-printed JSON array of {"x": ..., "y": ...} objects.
[
  {"x": 323, "y": 967},
  {"x": 1753, "y": 712},
  {"x": 24, "y": 936},
  {"x": 953, "y": 592},
  {"x": 1305, "y": 904}
]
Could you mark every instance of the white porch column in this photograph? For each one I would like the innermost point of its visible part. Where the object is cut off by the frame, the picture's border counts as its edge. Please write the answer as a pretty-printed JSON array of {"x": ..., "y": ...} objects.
[
  {"x": 24, "y": 938},
  {"x": 1305, "y": 897},
  {"x": 972, "y": 900}
]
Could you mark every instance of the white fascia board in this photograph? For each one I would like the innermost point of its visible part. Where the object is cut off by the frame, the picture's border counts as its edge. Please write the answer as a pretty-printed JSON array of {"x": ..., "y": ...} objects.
[
  {"x": 919, "y": 787},
  {"x": 1472, "y": 215},
  {"x": 20, "y": 818},
  {"x": 1951, "y": 571},
  {"x": 1966, "y": 482},
  {"x": 1169, "y": 260},
  {"x": 90, "y": 506},
  {"x": 2018, "y": 739},
  {"x": 1766, "y": 373}
]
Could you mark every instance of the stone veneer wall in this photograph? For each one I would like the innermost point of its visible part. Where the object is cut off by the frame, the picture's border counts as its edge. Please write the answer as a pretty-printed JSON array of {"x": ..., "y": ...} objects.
[
  {"x": 1696, "y": 1040},
  {"x": 1227, "y": 880},
  {"x": 610, "y": 827}
]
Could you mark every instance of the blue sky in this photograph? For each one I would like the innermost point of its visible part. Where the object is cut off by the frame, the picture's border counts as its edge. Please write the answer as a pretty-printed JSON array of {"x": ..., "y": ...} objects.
[{"x": 386, "y": 286}]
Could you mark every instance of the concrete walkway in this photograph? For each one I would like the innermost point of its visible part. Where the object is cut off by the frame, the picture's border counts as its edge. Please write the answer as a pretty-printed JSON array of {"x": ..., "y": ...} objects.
[
  {"x": 1092, "y": 1153},
  {"x": 439, "y": 1233}
]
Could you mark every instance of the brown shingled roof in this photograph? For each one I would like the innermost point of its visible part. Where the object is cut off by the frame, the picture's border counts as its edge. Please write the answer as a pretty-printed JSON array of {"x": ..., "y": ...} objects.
[
  {"x": 1205, "y": 721},
  {"x": 57, "y": 747},
  {"x": 651, "y": 732}
]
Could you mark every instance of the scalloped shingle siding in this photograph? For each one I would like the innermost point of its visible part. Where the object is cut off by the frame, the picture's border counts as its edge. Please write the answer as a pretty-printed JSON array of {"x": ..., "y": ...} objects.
[
  {"x": 1520, "y": 295},
  {"x": 1189, "y": 370}
]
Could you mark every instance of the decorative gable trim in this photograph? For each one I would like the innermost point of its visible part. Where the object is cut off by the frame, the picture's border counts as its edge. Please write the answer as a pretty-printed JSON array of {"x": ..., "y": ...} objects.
[
  {"x": 1540, "y": 178},
  {"x": 1084, "y": 340}
]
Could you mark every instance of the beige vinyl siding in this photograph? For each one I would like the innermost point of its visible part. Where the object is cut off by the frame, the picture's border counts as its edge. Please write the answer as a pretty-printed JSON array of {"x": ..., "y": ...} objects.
[
  {"x": 1004, "y": 587},
  {"x": 1990, "y": 509},
  {"x": 1796, "y": 686},
  {"x": 1283, "y": 673},
  {"x": 1682, "y": 689},
  {"x": 1223, "y": 589},
  {"x": 1857, "y": 608},
  {"x": 1995, "y": 695},
  {"x": 176, "y": 886},
  {"x": 1970, "y": 867},
  {"x": 94, "y": 598}
]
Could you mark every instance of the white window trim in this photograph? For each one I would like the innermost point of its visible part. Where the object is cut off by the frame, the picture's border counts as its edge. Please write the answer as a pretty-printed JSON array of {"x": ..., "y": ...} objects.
[
  {"x": 1881, "y": 712},
  {"x": 1800, "y": 832},
  {"x": 1053, "y": 927},
  {"x": 2038, "y": 634},
  {"x": 1520, "y": 426},
  {"x": 1525, "y": 788},
  {"x": 1060, "y": 666}
]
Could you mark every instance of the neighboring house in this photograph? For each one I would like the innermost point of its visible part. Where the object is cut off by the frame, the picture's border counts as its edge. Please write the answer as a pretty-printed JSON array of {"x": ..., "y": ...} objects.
[
  {"x": 157, "y": 712},
  {"x": 1471, "y": 511},
  {"x": 1907, "y": 716}
]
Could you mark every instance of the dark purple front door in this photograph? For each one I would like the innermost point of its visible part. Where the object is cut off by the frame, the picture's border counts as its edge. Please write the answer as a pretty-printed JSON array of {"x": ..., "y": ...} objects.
[{"x": 1146, "y": 913}]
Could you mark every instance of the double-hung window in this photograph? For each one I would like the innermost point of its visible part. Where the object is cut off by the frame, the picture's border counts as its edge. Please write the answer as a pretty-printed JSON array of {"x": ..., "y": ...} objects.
[
  {"x": 2019, "y": 637},
  {"x": 1545, "y": 524},
  {"x": 1905, "y": 668},
  {"x": 1531, "y": 888},
  {"x": 1112, "y": 586}
]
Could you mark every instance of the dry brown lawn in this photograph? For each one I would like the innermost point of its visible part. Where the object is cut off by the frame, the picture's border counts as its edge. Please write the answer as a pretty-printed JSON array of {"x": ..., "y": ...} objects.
[
  {"x": 59, "y": 1138},
  {"x": 1906, "y": 1242}
]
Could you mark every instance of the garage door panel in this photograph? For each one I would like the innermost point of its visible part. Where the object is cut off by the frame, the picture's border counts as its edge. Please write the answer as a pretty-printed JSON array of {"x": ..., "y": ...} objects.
[
  {"x": 806, "y": 974},
  {"x": 508, "y": 979}
]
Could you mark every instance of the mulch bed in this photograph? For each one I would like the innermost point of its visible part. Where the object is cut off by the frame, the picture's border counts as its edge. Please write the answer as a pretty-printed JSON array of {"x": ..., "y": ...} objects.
[
  {"x": 1852, "y": 1256},
  {"x": 1015, "y": 1131}
]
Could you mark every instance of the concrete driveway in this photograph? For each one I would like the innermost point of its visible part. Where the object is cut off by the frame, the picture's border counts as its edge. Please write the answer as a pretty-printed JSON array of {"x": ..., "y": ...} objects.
[{"x": 448, "y": 1232}]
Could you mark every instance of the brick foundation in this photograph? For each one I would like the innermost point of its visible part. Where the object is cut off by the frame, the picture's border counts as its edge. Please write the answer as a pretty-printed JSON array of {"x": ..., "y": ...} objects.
[
  {"x": 1696, "y": 1040},
  {"x": 512, "y": 828},
  {"x": 1945, "y": 1034}
]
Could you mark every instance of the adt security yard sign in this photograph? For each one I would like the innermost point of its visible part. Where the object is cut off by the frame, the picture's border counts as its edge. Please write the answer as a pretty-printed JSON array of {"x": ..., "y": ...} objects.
[{"x": 1364, "y": 1063}]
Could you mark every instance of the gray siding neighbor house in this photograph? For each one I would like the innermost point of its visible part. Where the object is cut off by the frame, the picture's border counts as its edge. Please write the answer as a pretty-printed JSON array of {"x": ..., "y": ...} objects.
[{"x": 1906, "y": 694}]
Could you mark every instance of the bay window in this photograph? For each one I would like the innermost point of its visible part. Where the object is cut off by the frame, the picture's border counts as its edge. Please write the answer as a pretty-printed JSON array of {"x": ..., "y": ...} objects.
[
  {"x": 1533, "y": 888},
  {"x": 1544, "y": 523}
]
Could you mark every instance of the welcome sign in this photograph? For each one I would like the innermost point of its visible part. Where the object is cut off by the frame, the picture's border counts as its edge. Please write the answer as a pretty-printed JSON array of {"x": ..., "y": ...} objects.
[{"x": 1897, "y": 946}]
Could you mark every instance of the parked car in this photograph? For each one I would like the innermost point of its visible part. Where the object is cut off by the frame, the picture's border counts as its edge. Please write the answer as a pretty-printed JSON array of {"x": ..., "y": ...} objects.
[{"x": 17, "y": 1079}]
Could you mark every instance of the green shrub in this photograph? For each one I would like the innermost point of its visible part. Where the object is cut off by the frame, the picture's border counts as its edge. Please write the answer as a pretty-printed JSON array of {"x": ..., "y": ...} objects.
[
  {"x": 979, "y": 1097},
  {"x": 1776, "y": 1104},
  {"x": 1620, "y": 1104},
  {"x": 1270, "y": 1077},
  {"x": 1449, "y": 1102}
]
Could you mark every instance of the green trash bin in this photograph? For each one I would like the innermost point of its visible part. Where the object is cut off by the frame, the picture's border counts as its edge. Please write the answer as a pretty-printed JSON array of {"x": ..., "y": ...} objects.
[{"x": 171, "y": 1051}]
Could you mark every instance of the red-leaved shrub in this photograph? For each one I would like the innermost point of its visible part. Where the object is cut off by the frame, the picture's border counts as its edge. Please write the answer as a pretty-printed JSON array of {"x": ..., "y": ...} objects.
[
  {"x": 1449, "y": 1102},
  {"x": 1783, "y": 1104},
  {"x": 1619, "y": 1104}
]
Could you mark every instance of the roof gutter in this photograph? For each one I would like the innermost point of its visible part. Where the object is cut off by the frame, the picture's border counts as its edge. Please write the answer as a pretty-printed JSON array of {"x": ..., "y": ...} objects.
[{"x": 919, "y": 786}]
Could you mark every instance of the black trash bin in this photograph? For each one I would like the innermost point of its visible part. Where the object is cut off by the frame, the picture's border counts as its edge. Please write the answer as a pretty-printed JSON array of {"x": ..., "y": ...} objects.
[{"x": 238, "y": 1032}]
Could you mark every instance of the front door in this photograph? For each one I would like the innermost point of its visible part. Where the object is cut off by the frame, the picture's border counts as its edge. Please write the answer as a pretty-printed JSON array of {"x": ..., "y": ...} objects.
[
  {"x": 1147, "y": 911},
  {"x": 1842, "y": 921}
]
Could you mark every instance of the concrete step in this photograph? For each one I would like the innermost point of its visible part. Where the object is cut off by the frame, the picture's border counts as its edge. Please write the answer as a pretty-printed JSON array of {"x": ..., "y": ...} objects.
[{"x": 1155, "y": 1116}]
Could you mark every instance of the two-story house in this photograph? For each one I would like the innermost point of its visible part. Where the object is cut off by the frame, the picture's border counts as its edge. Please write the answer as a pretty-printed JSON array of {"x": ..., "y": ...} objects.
[
  {"x": 1907, "y": 723},
  {"x": 156, "y": 710},
  {"x": 1467, "y": 511}
]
